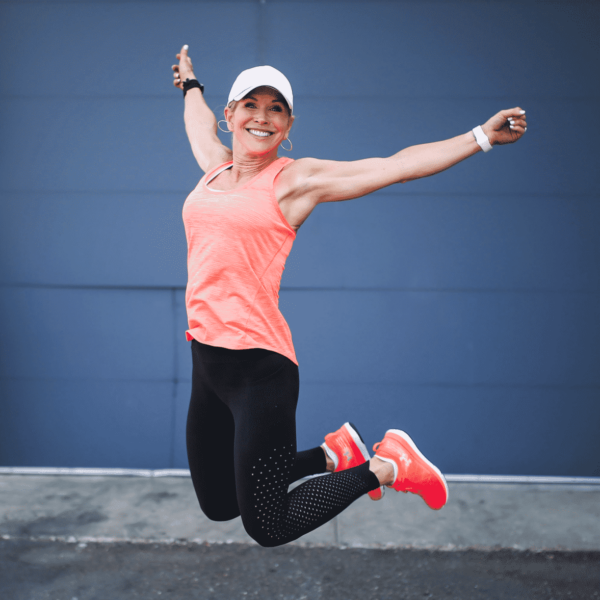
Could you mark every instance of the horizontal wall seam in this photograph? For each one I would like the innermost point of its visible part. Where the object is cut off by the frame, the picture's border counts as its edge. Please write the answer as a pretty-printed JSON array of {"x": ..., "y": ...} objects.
[
  {"x": 373, "y": 3},
  {"x": 299, "y": 97},
  {"x": 66, "y": 286},
  {"x": 461, "y": 478},
  {"x": 308, "y": 381},
  {"x": 379, "y": 193},
  {"x": 71, "y": 379},
  {"x": 446, "y": 385}
]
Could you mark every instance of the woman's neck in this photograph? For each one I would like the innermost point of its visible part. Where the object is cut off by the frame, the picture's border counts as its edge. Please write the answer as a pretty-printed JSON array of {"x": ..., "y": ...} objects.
[{"x": 245, "y": 166}]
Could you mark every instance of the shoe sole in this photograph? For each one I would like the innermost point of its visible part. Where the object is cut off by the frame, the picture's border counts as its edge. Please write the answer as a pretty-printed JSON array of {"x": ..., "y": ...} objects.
[{"x": 409, "y": 441}]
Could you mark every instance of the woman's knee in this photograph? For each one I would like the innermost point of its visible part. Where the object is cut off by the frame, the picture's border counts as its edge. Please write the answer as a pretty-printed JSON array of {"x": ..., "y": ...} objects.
[
  {"x": 263, "y": 532},
  {"x": 216, "y": 511},
  {"x": 265, "y": 541}
]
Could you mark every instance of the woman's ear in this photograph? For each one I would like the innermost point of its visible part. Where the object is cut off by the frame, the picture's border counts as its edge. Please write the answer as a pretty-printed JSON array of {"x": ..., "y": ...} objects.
[
  {"x": 228, "y": 114},
  {"x": 291, "y": 122}
]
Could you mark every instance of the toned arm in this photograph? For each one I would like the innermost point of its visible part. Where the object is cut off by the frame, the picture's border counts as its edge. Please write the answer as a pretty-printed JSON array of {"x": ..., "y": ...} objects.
[
  {"x": 200, "y": 121},
  {"x": 201, "y": 129},
  {"x": 332, "y": 181}
]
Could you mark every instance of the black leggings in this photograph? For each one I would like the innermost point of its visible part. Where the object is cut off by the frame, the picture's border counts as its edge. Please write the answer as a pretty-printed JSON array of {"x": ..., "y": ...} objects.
[{"x": 241, "y": 445}]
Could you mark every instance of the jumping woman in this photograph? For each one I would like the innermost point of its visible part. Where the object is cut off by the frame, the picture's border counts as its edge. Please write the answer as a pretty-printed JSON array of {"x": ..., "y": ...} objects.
[{"x": 240, "y": 223}]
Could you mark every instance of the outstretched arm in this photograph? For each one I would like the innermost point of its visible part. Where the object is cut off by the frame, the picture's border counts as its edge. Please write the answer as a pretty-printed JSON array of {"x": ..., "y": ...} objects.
[
  {"x": 200, "y": 121},
  {"x": 332, "y": 181}
]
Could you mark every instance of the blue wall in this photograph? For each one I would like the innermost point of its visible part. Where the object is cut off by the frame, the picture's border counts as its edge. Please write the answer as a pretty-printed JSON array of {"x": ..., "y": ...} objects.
[{"x": 463, "y": 308}]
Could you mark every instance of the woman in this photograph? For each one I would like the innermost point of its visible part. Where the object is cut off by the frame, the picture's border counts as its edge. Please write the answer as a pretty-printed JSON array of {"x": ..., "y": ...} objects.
[{"x": 241, "y": 221}]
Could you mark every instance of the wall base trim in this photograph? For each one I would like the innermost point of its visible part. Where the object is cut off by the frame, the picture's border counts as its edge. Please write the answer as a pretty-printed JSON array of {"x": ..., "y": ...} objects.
[{"x": 93, "y": 472}]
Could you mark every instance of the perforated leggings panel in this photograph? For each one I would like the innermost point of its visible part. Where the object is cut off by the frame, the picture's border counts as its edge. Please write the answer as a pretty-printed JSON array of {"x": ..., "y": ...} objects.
[{"x": 241, "y": 443}]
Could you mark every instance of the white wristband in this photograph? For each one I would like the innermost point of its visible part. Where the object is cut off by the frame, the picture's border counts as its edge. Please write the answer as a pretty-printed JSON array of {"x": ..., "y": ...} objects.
[{"x": 482, "y": 139}]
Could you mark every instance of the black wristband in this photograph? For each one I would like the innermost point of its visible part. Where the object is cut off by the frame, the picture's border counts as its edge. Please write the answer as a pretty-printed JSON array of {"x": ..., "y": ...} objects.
[{"x": 188, "y": 84}]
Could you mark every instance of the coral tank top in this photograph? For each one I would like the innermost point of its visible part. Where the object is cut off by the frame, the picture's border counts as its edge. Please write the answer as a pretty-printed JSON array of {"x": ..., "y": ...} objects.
[{"x": 238, "y": 242}]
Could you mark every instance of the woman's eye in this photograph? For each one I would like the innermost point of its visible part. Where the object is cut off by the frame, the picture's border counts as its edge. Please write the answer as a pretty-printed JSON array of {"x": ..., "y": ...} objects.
[
  {"x": 277, "y": 108},
  {"x": 249, "y": 105}
]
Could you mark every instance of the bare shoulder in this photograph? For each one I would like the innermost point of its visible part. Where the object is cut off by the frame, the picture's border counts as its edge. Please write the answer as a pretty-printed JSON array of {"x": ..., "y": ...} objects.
[
  {"x": 305, "y": 167},
  {"x": 294, "y": 180},
  {"x": 306, "y": 182}
]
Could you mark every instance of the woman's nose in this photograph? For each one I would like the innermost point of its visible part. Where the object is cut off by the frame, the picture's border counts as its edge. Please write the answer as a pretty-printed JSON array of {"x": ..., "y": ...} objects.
[{"x": 261, "y": 117}]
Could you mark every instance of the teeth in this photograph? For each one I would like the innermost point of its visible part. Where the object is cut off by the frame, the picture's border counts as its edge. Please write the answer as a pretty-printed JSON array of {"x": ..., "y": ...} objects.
[{"x": 259, "y": 133}]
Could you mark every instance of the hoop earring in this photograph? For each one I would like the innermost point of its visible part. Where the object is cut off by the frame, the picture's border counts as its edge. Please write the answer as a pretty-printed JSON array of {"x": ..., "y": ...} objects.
[
  {"x": 223, "y": 130},
  {"x": 286, "y": 149}
]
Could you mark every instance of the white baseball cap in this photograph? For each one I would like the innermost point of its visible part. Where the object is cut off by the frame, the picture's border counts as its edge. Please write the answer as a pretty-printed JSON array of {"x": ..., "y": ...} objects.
[{"x": 257, "y": 76}]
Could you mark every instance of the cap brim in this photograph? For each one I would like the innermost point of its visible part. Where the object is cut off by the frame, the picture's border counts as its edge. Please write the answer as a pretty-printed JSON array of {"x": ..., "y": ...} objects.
[
  {"x": 243, "y": 93},
  {"x": 248, "y": 90}
]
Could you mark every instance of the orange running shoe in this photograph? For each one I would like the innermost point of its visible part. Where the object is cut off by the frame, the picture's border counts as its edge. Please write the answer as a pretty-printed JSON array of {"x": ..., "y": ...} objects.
[
  {"x": 346, "y": 448},
  {"x": 412, "y": 471}
]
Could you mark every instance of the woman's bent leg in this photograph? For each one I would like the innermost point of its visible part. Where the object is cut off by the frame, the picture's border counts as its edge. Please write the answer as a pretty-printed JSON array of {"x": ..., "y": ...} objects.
[{"x": 265, "y": 463}]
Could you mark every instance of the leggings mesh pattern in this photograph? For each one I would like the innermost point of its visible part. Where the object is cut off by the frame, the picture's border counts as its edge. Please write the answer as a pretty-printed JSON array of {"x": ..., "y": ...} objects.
[{"x": 278, "y": 517}]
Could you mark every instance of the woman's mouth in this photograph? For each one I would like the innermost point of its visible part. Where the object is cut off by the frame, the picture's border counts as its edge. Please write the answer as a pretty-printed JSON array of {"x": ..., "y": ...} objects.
[{"x": 260, "y": 133}]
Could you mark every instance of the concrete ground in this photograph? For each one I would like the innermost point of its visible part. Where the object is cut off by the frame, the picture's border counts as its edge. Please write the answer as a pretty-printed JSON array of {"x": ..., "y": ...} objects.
[{"x": 65, "y": 537}]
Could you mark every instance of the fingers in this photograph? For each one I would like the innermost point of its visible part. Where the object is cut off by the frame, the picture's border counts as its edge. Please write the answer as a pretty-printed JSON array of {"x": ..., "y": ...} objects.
[
  {"x": 512, "y": 112},
  {"x": 517, "y": 124},
  {"x": 176, "y": 75},
  {"x": 506, "y": 126},
  {"x": 179, "y": 56},
  {"x": 183, "y": 53},
  {"x": 516, "y": 118},
  {"x": 514, "y": 121},
  {"x": 518, "y": 127}
]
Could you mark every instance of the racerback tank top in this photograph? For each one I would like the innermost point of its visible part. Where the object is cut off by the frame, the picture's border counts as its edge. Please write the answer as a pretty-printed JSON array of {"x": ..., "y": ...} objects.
[{"x": 238, "y": 242}]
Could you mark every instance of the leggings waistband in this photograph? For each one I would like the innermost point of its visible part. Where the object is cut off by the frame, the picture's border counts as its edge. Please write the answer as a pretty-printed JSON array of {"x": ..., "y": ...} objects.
[{"x": 218, "y": 354}]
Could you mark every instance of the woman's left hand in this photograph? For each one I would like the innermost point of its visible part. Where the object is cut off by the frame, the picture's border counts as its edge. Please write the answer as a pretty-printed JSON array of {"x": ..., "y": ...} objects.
[{"x": 506, "y": 127}]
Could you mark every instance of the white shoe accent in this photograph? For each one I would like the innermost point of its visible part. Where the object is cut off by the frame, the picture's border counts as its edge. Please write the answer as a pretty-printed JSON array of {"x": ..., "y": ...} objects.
[
  {"x": 354, "y": 435},
  {"x": 392, "y": 462},
  {"x": 332, "y": 455}
]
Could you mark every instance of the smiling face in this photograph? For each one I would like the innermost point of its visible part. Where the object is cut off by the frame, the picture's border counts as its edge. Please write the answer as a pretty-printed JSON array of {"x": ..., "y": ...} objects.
[{"x": 260, "y": 121}]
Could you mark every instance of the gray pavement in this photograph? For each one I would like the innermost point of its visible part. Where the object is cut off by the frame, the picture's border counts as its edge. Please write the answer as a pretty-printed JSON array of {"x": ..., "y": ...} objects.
[
  {"x": 65, "y": 537},
  {"x": 483, "y": 516}
]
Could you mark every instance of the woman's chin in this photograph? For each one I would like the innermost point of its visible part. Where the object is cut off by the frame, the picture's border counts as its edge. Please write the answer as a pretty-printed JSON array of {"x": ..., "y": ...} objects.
[{"x": 257, "y": 149}]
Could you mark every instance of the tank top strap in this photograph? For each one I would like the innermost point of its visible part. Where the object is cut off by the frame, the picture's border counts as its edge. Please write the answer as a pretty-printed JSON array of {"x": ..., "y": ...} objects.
[{"x": 210, "y": 174}]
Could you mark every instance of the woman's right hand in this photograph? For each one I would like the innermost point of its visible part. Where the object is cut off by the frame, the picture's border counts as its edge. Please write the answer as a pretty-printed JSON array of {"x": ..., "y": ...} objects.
[
  {"x": 184, "y": 69},
  {"x": 506, "y": 127}
]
